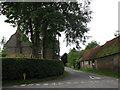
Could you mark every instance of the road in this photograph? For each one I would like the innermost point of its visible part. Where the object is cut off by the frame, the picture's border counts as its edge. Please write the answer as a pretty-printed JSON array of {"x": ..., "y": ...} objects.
[{"x": 76, "y": 79}]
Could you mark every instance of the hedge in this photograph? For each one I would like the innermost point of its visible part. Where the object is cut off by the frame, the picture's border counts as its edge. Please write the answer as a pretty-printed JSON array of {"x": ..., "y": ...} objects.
[{"x": 13, "y": 68}]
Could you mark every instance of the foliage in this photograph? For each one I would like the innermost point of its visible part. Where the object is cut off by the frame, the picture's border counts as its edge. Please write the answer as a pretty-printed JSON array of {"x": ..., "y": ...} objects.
[
  {"x": 75, "y": 56},
  {"x": 64, "y": 58},
  {"x": 3, "y": 40},
  {"x": 3, "y": 53},
  {"x": 13, "y": 68},
  {"x": 91, "y": 45},
  {"x": 45, "y": 20}
]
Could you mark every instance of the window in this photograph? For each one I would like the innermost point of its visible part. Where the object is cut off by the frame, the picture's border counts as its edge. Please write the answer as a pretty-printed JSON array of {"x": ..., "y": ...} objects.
[{"x": 89, "y": 62}]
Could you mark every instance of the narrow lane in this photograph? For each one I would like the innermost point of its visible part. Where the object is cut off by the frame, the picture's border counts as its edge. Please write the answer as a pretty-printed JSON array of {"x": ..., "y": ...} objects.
[{"x": 76, "y": 79}]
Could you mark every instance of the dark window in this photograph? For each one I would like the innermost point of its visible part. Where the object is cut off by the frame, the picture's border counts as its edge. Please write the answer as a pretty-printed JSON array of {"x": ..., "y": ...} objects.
[{"x": 89, "y": 62}]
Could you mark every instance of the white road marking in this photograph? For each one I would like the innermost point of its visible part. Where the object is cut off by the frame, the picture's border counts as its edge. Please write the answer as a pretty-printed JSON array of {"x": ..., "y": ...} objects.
[
  {"x": 37, "y": 84},
  {"x": 23, "y": 85},
  {"x": 30, "y": 84},
  {"x": 94, "y": 77},
  {"x": 46, "y": 84},
  {"x": 54, "y": 84}
]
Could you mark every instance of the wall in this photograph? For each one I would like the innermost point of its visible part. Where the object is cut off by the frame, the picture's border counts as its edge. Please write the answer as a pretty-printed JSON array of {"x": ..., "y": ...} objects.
[
  {"x": 15, "y": 49},
  {"x": 109, "y": 63},
  {"x": 86, "y": 65}
]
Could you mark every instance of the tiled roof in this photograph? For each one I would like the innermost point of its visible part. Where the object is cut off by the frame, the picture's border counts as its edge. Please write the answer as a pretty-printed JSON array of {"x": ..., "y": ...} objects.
[{"x": 110, "y": 47}]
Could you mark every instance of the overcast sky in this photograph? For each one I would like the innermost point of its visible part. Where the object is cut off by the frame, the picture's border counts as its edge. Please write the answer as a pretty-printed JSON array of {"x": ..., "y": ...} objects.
[{"x": 102, "y": 27}]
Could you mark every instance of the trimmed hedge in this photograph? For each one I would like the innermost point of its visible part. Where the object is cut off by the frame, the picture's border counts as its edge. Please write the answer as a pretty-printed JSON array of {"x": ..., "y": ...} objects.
[{"x": 13, "y": 68}]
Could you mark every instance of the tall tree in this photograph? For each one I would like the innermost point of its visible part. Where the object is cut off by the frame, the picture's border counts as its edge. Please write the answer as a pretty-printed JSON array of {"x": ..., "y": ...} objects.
[
  {"x": 91, "y": 45},
  {"x": 45, "y": 20}
]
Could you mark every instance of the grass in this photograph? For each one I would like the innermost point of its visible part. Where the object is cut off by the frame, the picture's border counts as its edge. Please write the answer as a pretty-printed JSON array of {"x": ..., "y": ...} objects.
[
  {"x": 31, "y": 81},
  {"x": 105, "y": 73}
]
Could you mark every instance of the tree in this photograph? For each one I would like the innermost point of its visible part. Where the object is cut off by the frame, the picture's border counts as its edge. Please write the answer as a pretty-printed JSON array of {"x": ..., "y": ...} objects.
[
  {"x": 45, "y": 20},
  {"x": 117, "y": 33},
  {"x": 64, "y": 58},
  {"x": 91, "y": 45},
  {"x": 74, "y": 57},
  {"x": 3, "y": 51}
]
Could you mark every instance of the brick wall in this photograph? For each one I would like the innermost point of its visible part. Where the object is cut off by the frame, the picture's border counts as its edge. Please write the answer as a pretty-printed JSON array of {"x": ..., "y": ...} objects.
[
  {"x": 15, "y": 49},
  {"x": 110, "y": 63}
]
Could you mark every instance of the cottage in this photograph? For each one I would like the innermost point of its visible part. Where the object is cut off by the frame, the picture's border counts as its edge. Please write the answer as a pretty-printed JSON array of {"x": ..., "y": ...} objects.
[
  {"x": 18, "y": 48},
  {"x": 105, "y": 57}
]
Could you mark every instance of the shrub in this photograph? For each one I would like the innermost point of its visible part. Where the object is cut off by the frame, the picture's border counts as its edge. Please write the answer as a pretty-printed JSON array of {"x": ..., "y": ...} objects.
[{"x": 13, "y": 68}]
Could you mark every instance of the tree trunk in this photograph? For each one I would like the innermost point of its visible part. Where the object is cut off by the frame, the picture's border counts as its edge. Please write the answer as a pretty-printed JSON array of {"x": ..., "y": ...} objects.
[
  {"x": 44, "y": 41},
  {"x": 34, "y": 41},
  {"x": 44, "y": 46}
]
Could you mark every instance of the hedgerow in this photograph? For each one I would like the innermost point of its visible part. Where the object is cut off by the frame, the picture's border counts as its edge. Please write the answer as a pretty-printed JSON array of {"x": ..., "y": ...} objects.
[{"x": 13, "y": 68}]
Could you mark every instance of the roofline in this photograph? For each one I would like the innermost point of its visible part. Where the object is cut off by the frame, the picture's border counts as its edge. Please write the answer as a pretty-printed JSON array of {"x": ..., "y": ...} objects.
[{"x": 100, "y": 57}]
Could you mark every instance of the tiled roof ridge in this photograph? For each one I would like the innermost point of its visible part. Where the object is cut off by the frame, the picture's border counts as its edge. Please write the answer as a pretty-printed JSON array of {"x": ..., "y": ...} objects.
[{"x": 97, "y": 49}]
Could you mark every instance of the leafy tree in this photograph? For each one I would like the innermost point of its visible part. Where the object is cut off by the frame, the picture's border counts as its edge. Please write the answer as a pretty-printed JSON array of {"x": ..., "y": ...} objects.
[
  {"x": 45, "y": 20},
  {"x": 91, "y": 45},
  {"x": 64, "y": 58},
  {"x": 72, "y": 56},
  {"x": 3, "y": 53},
  {"x": 75, "y": 56}
]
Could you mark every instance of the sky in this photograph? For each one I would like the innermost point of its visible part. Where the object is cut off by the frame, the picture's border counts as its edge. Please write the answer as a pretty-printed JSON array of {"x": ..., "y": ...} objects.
[{"x": 102, "y": 27}]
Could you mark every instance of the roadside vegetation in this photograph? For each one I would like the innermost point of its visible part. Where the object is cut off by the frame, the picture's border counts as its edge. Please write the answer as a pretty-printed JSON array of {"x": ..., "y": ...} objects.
[
  {"x": 74, "y": 56},
  {"x": 106, "y": 73}
]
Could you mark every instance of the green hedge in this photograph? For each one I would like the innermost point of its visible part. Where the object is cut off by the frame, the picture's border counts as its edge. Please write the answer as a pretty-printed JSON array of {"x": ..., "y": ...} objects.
[{"x": 13, "y": 68}]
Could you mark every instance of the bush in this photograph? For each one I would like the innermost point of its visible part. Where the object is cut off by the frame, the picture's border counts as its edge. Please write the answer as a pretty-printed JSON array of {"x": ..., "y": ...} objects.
[{"x": 13, "y": 68}]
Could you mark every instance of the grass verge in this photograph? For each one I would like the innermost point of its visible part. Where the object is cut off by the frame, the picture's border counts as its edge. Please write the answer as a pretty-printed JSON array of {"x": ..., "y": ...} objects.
[
  {"x": 31, "y": 81},
  {"x": 105, "y": 73}
]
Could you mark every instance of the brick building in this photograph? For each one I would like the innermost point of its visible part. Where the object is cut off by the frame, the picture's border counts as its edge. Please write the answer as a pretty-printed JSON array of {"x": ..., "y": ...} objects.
[
  {"x": 105, "y": 57},
  {"x": 17, "y": 48}
]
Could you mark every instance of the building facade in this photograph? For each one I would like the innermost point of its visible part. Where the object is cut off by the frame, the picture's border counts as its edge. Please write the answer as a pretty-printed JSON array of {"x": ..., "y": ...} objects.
[
  {"x": 105, "y": 57},
  {"x": 17, "y": 48}
]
